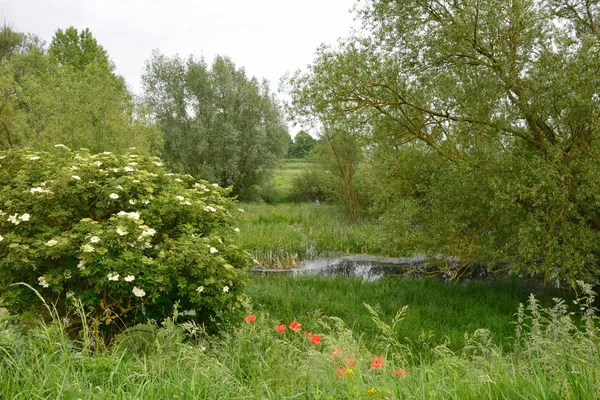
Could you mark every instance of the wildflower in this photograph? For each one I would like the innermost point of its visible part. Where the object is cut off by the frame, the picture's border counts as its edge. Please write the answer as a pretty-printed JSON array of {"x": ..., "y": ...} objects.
[
  {"x": 187, "y": 203},
  {"x": 236, "y": 230},
  {"x": 133, "y": 164},
  {"x": 98, "y": 163},
  {"x": 377, "y": 362},
  {"x": 42, "y": 282},
  {"x": 14, "y": 219},
  {"x": 315, "y": 339},
  {"x": 37, "y": 190},
  {"x": 113, "y": 196},
  {"x": 280, "y": 328},
  {"x": 132, "y": 202},
  {"x": 87, "y": 248},
  {"x": 336, "y": 354},
  {"x": 74, "y": 168},
  {"x": 340, "y": 372},
  {"x": 70, "y": 294},
  {"x": 180, "y": 198},
  {"x": 51, "y": 243},
  {"x": 295, "y": 326},
  {"x": 250, "y": 319},
  {"x": 225, "y": 289},
  {"x": 81, "y": 265},
  {"x": 158, "y": 164},
  {"x": 34, "y": 158},
  {"x": 128, "y": 169},
  {"x": 177, "y": 180},
  {"x": 138, "y": 292},
  {"x": 350, "y": 371},
  {"x": 200, "y": 289},
  {"x": 121, "y": 231},
  {"x": 113, "y": 276},
  {"x": 60, "y": 145},
  {"x": 209, "y": 208},
  {"x": 189, "y": 313},
  {"x": 400, "y": 372},
  {"x": 94, "y": 239},
  {"x": 372, "y": 391},
  {"x": 25, "y": 217},
  {"x": 1, "y": 238},
  {"x": 351, "y": 362},
  {"x": 129, "y": 278},
  {"x": 146, "y": 232},
  {"x": 212, "y": 250}
]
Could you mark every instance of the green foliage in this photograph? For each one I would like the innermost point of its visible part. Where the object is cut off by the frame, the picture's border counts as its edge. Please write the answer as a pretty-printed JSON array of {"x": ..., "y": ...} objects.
[
  {"x": 120, "y": 234},
  {"x": 302, "y": 145},
  {"x": 494, "y": 106},
  {"x": 68, "y": 94},
  {"x": 314, "y": 185},
  {"x": 218, "y": 124},
  {"x": 556, "y": 358}
]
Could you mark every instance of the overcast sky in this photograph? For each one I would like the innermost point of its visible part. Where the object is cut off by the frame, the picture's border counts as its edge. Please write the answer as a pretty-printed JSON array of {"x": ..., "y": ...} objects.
[{"x": 266, "y": 37}]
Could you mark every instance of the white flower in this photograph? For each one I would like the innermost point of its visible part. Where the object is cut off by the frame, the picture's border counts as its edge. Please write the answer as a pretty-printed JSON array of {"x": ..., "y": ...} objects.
[
  {"x": 113, "y": 276},
  {"x": 113, "y": 196},
  {"x": 76, "y": 177},
  {"x": 25, "y": 217},
  {"x": 98, "y": 163},
  {"x": 200, "y": 289},
  {"x": 187, "y": 203},
  {"x": 81, "y": 265},
  {"x": 115, "y": 169},
  {"x": 236, "y": 230},
  {"x": 60, "y": 145},
  {"x": 37, "y": 190},
  {"x": 121, "y": 231},
  {"x": 42, "y": 282},
  {"x": 225, "y": 289},
  {"x": 215, "y": 184},
  {"x": 133, "y": 156},
  {"x": 70, "y": 294},
  {"x": 130, "y": 215},
  {"x": 213, "y": 250},
  {"x": 33, "y": 159},
  {"x": 1, "y": 238},
  {"x": 146, "y": 202},
  {"x": 191, "y": 313},
  {"x": 14, "y": 219},
  {"x": 106, "y": 153},
  {"x": 120, "y": 187},
  {"x": 132, "y": 202},
  {"x": 128, "y": 169},
  {"x": 210, "y": 208},
  {"x": 146, "y": 232},
  {"x": 94, "y": 239},
  {"x": 138, "y": 292},
  {"x": 43, "y": 184},
  {"x": 177, "y": 180},
  {"x": 158, "y": 164},
  {"x": 133, "y": 164},
  {"x": 87, "y": 248},
  {"x": 180, "y": 198},
  {"x": 169, "y": 174},
  {"x": 67, "y": 274},
  {"x": 74, "y": 168},
  {"x": 51, "y": 243},
  {"x": 203, "y": 348},
  {"x": 129, "y": 278},
  {"x": 240, "y": 210}
]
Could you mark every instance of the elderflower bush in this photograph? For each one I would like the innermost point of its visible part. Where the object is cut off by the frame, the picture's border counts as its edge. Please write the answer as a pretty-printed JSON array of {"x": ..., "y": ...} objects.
[{"x": 119, "y": 233}]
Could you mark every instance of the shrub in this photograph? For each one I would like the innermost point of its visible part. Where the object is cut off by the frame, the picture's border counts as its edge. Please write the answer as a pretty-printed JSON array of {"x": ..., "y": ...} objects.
[
  {"x": 314, "y": 185},
  {"x": 119, "y": 233}
]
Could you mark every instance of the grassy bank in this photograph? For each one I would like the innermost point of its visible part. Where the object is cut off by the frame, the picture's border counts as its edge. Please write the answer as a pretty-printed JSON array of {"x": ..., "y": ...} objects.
[
  {"x": 280, "y": 235},
  {"x": 554, "y": 358}
]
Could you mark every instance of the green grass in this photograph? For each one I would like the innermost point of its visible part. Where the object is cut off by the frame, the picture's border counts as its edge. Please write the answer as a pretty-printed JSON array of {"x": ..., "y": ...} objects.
[
  {"x": 437, "y": 310},
  {"x": 282, "y": 234},
  {"x": 281, "y": 182},
  {"x": 556, "y": 358}
]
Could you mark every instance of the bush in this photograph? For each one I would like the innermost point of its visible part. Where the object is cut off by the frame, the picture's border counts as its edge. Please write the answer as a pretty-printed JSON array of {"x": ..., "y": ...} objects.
[
  {"x": 314, "y": 185},
  {"x": 119, "y": 233}
]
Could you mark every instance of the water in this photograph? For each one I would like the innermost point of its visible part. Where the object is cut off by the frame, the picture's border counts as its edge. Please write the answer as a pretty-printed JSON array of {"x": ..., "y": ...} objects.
[{"x": 372, "y": 268}]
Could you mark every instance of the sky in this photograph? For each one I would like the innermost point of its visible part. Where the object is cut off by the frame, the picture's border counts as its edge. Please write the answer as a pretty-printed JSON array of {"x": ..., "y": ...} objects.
[{"x": 267, "y": 37}]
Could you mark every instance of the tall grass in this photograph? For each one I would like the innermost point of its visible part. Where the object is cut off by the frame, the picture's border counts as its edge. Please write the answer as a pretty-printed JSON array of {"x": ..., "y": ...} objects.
[
  {"x": 554, "y": 357},
  {"x": 280, "y": 235}
]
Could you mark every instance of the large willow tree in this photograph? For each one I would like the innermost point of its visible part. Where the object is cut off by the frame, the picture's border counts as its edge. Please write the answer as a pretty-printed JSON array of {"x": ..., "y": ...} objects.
[{"x": 483, "y": 122}]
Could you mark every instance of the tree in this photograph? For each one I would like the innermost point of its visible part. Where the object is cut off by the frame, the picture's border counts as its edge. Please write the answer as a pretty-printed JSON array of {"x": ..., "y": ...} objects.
[
  {"x": 302, "y": 145},
  {"x": 504, "y": 98},
  {"x": 217, "y": 123},
  {"x": 52, "y": 96}
]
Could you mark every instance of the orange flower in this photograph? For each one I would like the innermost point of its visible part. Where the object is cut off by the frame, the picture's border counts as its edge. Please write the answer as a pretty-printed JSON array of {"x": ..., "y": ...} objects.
[
  {"x": 339, "y": 373},
  {"x": 309, "y": 334},
  {"x": 336, "y": 354},
  {"x": 351, "y": 362},
  {"x": 295, "y": 326},
  {"x": 280, "y": 328},
  {"x": 400, "y": 372},
  {"x": 250, "y": 319},
  {"x": 315, "y": 339},
  {"x": 377, "y": 362}
]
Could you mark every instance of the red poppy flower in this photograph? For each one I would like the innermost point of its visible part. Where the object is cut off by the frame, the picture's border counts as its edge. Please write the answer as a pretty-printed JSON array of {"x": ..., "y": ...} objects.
[
  {"x": 280, "y": 328},
  {"x": 351, "y": 362},
  {"x": 377, "y": 362},
  {"x": 250, "y": 319},
  {"x": 309, "y": 334},
  {"x": 400, "y": 372},
  {"x": 315, "y": 339},
  {"x": 295, "y": 326},
  {"x": 339, "y": 373}
]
